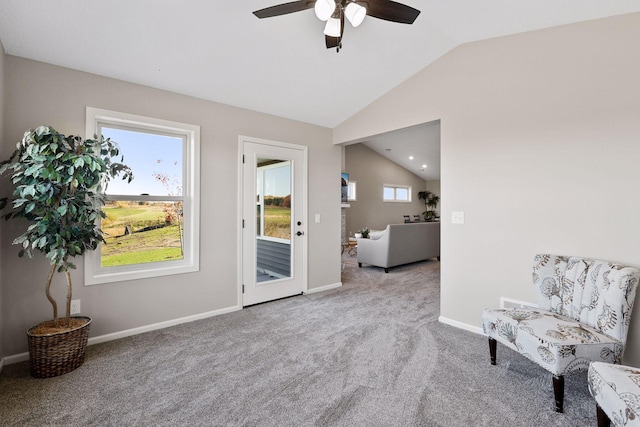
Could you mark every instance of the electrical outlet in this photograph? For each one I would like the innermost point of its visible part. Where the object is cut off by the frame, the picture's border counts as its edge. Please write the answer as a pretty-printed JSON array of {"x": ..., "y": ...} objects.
[{"x": 75, "y": 306}]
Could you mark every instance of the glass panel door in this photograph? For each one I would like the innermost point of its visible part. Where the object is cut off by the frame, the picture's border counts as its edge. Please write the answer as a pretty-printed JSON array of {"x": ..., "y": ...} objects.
[{"x": 273, "y": 261}]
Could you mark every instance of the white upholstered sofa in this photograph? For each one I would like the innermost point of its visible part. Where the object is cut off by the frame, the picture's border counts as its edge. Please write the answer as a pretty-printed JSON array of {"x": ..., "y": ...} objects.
[{"x": 400, "y": 244}]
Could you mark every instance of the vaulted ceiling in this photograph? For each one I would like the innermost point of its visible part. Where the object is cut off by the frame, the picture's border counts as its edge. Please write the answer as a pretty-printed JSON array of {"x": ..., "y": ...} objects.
[{"x": 218, "y": 50}]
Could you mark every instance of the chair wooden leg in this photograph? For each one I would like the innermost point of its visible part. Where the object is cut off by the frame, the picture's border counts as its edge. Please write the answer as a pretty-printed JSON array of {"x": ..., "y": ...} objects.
[
  {"x": 386, "y": 270},
  {"x": 603, "y": 419},
  {"x": 558, "y": 391},
  {"x": 359, "y": 265},
  {"x": 492, "y": 350}
]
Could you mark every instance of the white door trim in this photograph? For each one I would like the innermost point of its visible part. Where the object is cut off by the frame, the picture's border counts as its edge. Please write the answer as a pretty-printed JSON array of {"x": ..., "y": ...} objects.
[{"x": 305, "y": 216}]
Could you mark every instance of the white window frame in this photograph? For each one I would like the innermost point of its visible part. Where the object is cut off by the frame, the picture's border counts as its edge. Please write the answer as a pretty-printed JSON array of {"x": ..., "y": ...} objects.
[
  {"x": 351, "y": 192},
  {"x": 395, "y": 188},
  {"x": 94, "y": 273},
  {"x": 260, "y": 171}
]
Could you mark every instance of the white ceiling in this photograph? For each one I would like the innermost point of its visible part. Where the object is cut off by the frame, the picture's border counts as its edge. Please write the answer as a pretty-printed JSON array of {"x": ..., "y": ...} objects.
[
  {"x": 422, "y": 142},
  {"x": 219, "y": 51}
]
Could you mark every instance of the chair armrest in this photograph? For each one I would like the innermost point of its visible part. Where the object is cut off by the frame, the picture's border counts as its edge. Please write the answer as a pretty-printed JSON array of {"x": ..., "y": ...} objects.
[{"x": 374, "y": 252}]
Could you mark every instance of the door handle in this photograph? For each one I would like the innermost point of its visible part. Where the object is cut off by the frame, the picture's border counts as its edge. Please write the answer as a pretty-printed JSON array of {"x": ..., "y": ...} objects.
[{"x": 299, "y": 233}]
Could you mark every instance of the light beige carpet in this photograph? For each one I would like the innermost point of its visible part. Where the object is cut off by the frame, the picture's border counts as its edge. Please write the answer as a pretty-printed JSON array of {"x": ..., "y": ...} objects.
[{"x": 371, "y": 353}]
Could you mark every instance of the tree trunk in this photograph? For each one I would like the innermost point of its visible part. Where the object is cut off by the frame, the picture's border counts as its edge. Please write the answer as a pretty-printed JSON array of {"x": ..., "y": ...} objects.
[
  {"x": 49, "y": 297},
  {"x": 69, "y": 295}
]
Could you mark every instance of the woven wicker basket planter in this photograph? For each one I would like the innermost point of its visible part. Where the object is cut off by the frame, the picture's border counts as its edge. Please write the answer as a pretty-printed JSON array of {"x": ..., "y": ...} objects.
[{"x": 56, "y": 354}]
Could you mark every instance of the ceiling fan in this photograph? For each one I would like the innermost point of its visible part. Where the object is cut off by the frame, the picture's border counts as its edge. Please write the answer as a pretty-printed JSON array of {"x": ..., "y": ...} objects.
[{"x": 333, "y": 13}]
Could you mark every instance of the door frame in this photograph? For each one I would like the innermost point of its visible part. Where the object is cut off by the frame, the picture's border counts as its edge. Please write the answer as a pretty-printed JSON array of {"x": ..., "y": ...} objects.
[{"x": 305, "y": 217}]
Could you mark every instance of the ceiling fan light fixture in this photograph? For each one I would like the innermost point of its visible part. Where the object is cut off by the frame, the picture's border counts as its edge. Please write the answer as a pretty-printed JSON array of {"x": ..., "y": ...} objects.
[
  {"x": 355, "y": 13},
  {"x": 332, "y": 27},
  {"x": 334, "y": 12},
  {"x": 324, "y": 9}
]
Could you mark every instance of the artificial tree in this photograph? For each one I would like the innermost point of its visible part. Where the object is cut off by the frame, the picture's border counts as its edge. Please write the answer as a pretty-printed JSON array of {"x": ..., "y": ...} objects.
[
  {"x": 60, "y": 183},
  {"x": 430, "y": 203}
]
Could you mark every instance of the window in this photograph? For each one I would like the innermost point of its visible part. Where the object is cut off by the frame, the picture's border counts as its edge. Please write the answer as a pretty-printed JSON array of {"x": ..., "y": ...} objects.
[
  {"x": 351, "y": 192},
  {"x": 396, "y": 193},
  {"x": 151, "y": 226},
  {"x": 274, "y": 201}
]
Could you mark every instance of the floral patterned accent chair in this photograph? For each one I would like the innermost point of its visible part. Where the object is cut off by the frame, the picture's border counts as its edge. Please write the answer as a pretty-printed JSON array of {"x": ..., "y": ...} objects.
[
  {"x": 616, "y": 389},
  {"x": 583, "y": 314}
]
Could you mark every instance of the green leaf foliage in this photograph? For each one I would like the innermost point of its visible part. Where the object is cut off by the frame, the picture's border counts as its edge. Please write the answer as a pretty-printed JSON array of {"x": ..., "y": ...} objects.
[
  {"x": 430, "y": 203},
  {"x": 60, "y": 183}
]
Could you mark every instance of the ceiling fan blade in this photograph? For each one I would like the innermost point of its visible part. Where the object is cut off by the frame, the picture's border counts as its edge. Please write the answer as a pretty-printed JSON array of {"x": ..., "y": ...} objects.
[
  {"x": 391, "y": 11},
  {"x": 283, "y": 9}
]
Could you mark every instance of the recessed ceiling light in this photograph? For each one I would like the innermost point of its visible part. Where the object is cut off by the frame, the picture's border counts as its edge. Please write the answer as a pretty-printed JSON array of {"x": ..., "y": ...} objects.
[
  {"x": 410, "y": 157},
  {"x": 424, "y": 166}
]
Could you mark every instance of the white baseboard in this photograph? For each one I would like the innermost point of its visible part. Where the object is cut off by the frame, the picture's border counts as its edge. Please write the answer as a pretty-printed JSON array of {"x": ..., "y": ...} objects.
[
  {"x": 461, "y": 325},
  {"x": 161, "y": 325},
  {"x": 324, "y": 288},
  {"x": 21, "y": 357},
  {"x": 16, "y": 358}
]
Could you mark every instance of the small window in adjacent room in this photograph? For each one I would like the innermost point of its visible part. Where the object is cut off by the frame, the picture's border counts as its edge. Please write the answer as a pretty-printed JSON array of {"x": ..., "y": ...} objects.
[
  {"x": 151, "y": 226},
  {"x": 351, "y": 195},
  {"x": 396, "y": 193}
]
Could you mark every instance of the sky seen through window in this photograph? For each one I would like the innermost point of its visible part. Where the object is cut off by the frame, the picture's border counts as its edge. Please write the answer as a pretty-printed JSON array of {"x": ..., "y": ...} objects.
[{"x": 147, "y": 155}]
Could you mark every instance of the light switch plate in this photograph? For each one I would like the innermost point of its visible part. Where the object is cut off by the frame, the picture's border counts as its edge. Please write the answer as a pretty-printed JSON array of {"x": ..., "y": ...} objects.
[{"x": 457, "y": 217}]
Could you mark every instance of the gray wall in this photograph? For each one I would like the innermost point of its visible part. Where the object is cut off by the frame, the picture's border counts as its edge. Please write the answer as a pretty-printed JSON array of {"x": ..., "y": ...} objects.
[
  {"x": 370, "y": 170},
  {"x": 38, "y": 94},
  {"x": 2, "y": 183},
  {"x": 540, "y": 147}
]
